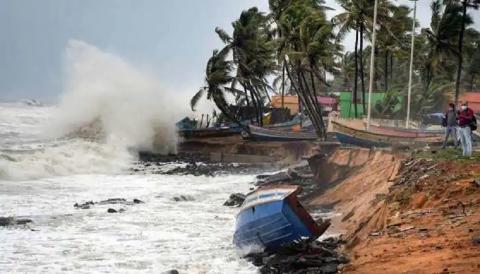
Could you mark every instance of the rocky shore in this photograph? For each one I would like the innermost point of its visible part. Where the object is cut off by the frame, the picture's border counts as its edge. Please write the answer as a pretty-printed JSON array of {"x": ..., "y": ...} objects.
[{"x": 192, "y": 164}]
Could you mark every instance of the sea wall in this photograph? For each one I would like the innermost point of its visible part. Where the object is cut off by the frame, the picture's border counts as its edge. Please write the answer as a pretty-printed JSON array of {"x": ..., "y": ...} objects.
[{"x": 235, "y": 149}]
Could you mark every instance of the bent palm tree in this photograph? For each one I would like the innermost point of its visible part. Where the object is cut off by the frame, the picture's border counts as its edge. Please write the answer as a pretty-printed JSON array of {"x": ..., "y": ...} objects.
[{"x": 217, "y": 75}]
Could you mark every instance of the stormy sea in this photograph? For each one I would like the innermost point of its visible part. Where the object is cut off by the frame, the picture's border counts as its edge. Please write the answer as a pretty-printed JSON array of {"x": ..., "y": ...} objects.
[{"x": 86, "y": 209}]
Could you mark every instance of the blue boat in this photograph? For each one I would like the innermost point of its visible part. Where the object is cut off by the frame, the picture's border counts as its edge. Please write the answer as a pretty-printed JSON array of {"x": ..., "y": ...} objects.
[
  {"x": 268, "y": 134},
  {"x": 273, "y": 217}
]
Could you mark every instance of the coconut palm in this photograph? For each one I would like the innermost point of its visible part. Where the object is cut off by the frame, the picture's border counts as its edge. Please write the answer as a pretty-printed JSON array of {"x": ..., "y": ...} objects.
[
  {"x": 308, "y": 48},
  {"x": 217, "y": 76},
  {"x": 466, "y": 20},
  {"x": 253, "y": 55}
]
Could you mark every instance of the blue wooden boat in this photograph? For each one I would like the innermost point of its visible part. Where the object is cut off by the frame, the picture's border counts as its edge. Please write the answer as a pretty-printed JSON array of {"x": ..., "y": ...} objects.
[
  {"x": 269, "y": 134},
  {"x": 273, "y": 217}
]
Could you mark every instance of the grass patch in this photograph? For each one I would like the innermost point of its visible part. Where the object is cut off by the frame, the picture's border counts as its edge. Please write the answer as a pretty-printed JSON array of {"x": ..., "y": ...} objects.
[{"x": 449, "y": 154}]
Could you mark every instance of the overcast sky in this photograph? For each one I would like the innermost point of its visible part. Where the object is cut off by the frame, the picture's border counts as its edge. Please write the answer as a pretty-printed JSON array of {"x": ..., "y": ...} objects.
[{"x": 173, "y": 38}]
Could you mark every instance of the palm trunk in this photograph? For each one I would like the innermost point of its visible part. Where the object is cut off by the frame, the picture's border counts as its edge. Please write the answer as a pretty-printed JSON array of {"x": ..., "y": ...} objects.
[
  {"x": 313, "y": 110},
  {"x": 283, "y": 85},
  {"x": 302, "y": 93},
  {"x": 362, "y": 74},
  {"x": 391, "y": 68},
  {"x": 222, "y": 105},
  {"x": 260, "y": 105},
  {"x": 248, "y": 102},
  {"x": 472, "y": 81},
  {"x": 386, "y": 71},
  {"x": 255, "y": 106},
  {"x": 317, "y": 106},
  {"x": 460, "y": 53},
  {"x": 354, "y": 95}
]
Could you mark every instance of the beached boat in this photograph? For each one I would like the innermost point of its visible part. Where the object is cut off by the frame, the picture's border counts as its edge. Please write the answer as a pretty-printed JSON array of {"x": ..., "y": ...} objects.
[
  {"x": 208, "y": 132},
  {"x": 295, "y": 121},
  {"x": 352, "y": 136},
  {"x": 272, "y": 217},
  {"x": 275, "y": 134},
  {"x": 405, "y": 132}
]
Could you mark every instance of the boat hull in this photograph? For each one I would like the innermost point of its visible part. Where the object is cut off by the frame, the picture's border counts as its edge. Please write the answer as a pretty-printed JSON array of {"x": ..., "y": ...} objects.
[
  {"x": 272, "y": 223},
  {"x": 208, "y": 132},
  {"x": 363, "y": 138},
  {"x": 413, "y": 133},
  {"x": 266, "y": 134},
  {"x": 352, "y": 140}
]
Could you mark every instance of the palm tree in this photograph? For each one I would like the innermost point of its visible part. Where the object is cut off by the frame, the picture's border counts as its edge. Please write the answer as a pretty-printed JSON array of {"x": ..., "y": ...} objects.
[
  {"x": 466, "y": 20},
  {"x": 437, "y": 45},
  {"x": 358, "y": 16},
  {"x": 253, "y": 55},
  {"x": 347, "y": 21},
  {"x": 393, "y": 40},
  {"x": 218, "y": 75},
  {"x": 308, "y": 48}
]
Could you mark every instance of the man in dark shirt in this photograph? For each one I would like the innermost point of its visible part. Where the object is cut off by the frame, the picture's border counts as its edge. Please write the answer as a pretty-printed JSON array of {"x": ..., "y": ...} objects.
[
  {"x": 465, "y": 118},
  {"x": 450, "y": 123}
]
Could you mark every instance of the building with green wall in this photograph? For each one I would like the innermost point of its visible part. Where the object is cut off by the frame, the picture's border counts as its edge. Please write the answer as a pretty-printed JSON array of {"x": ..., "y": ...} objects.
[{"x": 347, "y": 107}]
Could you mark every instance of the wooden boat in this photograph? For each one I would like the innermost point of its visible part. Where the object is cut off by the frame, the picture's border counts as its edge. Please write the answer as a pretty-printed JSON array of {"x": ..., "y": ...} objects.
[
  {"x": 295, "y": 121},
  {"x": 363, "y": 138},
  {"x": 406, "y": 132},
  {"x": 272, "y": 217},
  {"x": 269, "y": 134},
  {"x": 207, "y": 132}
]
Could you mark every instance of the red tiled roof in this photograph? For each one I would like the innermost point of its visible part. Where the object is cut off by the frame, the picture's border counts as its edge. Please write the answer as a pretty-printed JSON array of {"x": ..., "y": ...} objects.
[{"x": 471, "y": 97}]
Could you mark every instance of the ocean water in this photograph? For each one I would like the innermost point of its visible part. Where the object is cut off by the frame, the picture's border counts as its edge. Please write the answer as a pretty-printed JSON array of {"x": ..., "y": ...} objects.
[{"x": 43, "y": 175}]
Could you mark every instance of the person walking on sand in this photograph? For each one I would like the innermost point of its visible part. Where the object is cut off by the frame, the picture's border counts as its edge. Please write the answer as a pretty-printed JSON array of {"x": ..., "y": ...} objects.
[
  {"x": 465, "y": 119},
  {"x": 450, "y": 124}
]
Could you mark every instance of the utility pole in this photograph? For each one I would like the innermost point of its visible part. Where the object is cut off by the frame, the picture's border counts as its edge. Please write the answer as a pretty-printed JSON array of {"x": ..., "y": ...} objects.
[
  {"x": 409, "y": 96},
  {"x": 372, "y": 64}
]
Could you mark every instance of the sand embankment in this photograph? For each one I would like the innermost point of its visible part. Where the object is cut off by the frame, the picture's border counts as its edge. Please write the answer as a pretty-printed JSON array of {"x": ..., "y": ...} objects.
[{"x": 399, "y": 214}]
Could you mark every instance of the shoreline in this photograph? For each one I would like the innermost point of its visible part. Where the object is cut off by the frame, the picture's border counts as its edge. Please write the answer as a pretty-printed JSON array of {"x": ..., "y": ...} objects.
[{"x": 389, "y": 223}]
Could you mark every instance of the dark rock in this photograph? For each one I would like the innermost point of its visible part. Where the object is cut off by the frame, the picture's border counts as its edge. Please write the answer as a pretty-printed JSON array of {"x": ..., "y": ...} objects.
[
  {"x": 173, "y": 271},
  {"x": 112, "y": 201},
  {"x": 11, "y": 221},
  {"x": 476, "y": 240},
  {"x": 301, "y": 257},
  {"x": 111, "y": 210},
  {"x": 275, "y": 178},
  {"x": 329, "y": 268},
  {"x": 85, "y": 205},
  {"x": 183, "y": 198},
  {"x": 6, "y": 221},
  {"x": 137, "y": 201},
  {"x": 236, "y": 199},
  {"x": 22, "y": 221}
]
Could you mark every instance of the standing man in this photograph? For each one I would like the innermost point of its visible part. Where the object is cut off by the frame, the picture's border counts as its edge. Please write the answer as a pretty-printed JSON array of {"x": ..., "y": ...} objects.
[
  {"x": 465, "y": 118},
  {"x": 450, "y": 124}
]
